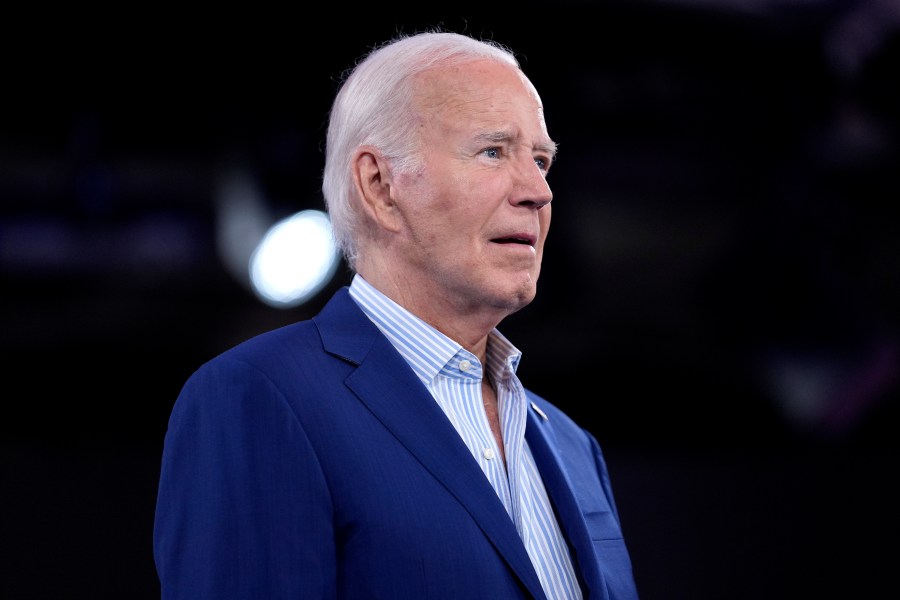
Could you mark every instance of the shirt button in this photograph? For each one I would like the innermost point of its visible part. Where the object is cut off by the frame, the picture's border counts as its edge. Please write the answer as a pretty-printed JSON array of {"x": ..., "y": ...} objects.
[
  {"x": 464, "y": 366},
  {"x": 488, "y": 453}
]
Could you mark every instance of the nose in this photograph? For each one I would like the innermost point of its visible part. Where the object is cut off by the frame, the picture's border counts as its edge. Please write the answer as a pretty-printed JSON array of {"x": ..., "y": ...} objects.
[{"x": 532, "y": 189}]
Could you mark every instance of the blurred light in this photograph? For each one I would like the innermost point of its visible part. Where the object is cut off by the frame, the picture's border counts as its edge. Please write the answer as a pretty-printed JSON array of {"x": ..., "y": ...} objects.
[
  {"x": 243, "y": 217},
  {"x": 294, "y": 260}
]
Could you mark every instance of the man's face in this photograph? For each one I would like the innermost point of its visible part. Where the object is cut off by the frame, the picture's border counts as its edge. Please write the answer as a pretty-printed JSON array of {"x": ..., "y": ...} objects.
[{"x": 478, "y": 213}]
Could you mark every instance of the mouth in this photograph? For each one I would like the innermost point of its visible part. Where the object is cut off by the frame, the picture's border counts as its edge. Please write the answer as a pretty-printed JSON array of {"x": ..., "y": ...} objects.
[{"x": 521, "y": 239}]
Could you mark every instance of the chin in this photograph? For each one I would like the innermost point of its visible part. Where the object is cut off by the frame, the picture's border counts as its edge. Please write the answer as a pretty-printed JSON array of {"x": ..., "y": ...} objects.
[
  {"x": 524, "y": 295},
  {"x": 511, "y": 293}
]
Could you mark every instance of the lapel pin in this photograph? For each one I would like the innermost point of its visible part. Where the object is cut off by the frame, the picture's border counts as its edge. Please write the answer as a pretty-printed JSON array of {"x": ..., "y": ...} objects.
[{"x": 538, "y": 411}]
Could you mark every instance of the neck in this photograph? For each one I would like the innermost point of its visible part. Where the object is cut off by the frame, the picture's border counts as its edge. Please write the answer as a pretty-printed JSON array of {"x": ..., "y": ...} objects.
[{"x": 468, "y": 325}]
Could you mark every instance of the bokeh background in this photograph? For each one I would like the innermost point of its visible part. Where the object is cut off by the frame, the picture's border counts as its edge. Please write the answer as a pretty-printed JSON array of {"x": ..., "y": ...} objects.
[{"x": 719, "y": 301}]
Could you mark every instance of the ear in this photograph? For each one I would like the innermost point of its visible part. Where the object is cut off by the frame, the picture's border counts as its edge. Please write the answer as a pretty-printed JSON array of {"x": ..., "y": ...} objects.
[{"x": 372, "y": 178}]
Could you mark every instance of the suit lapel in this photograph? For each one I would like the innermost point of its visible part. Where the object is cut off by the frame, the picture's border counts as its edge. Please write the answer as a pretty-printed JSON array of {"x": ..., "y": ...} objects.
[
  {"x": 541, "y": 440},
  {"x": 390, "y": 389}
]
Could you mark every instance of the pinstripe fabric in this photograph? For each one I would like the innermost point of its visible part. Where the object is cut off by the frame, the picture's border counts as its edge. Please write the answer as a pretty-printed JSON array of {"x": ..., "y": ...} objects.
[{"x": 453, "y": 376}]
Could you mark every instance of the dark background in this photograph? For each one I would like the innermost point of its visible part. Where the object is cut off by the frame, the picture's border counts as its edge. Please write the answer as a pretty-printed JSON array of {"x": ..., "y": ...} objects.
[{"x": 719, "y": 300}]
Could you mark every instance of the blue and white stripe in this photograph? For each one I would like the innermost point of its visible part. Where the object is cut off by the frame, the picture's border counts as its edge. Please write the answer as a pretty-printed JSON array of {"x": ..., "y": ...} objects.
[{"x": 453, "y": 376}]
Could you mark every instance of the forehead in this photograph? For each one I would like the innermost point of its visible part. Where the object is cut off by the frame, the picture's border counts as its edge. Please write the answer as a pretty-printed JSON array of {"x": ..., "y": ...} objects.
[{"x": 479, "y": 94}]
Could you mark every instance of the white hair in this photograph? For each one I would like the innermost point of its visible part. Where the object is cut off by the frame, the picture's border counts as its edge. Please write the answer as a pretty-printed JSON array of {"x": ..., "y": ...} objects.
[{"x": 373, "y": 107}]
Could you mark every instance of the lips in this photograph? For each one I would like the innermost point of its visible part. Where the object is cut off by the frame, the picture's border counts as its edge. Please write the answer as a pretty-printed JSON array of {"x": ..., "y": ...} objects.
[{"x": 518, "y": 238}]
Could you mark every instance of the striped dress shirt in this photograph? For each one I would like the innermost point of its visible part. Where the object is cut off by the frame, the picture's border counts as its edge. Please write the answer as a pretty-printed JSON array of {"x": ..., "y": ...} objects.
[{"x": 453, "y": 376}]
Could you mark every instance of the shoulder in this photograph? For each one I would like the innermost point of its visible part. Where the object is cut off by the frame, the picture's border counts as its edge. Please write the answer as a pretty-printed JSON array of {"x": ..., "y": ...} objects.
[{"x": 295, "y": 342}]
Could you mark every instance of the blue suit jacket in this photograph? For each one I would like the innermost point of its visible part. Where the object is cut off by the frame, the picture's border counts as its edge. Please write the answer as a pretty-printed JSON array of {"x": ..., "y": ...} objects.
[{"x": 310, "y": 462}]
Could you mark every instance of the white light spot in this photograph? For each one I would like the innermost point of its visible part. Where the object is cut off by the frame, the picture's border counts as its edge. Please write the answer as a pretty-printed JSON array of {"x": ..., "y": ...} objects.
[{"x": 294, "y": 260}]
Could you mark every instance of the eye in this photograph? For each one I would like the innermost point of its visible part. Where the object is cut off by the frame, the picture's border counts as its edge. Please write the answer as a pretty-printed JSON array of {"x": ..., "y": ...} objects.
[
  {"x": 542, "y": 163},
  {"x": 492, "y": 152}
]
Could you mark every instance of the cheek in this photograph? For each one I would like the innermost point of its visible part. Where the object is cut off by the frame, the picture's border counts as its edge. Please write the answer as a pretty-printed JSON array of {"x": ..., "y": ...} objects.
[
  {"x": 432, "y": 191},
  {"x": 422, "y": 207}
]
